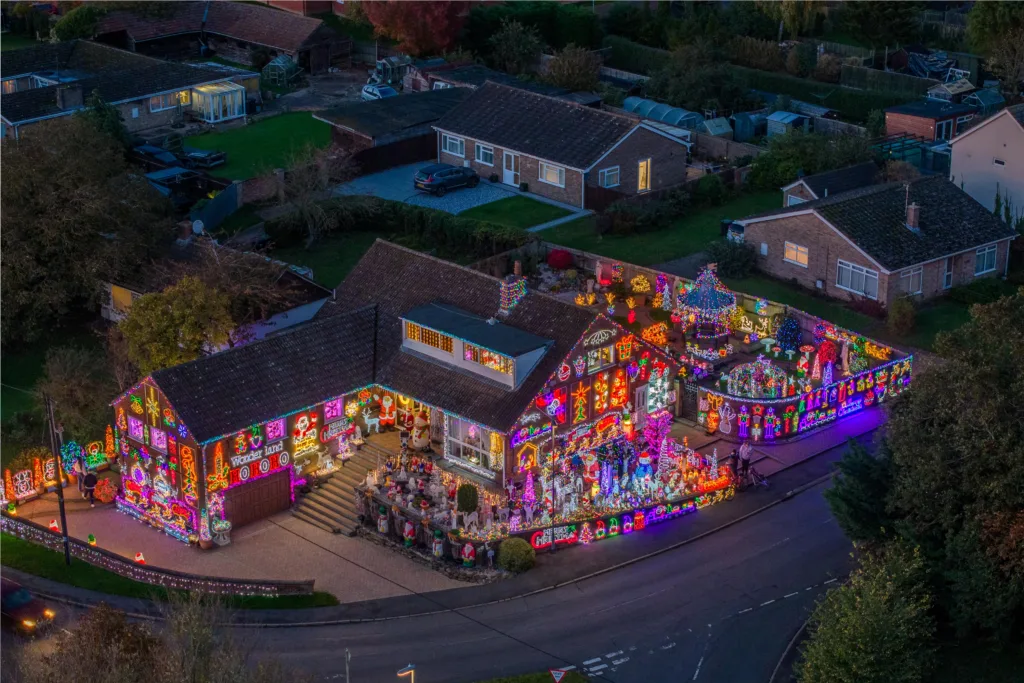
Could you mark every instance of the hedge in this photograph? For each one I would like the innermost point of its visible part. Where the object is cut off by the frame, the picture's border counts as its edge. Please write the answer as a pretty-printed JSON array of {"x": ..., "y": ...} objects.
[
  {"x": 633, "y": 57},
  {"x": 451, "y": 236},
  {"x": 557, "y": 24}
]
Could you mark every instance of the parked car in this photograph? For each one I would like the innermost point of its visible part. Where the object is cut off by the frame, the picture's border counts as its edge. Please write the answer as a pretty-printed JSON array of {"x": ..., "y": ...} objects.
[
  {"x": 377, "y": 92},
  {"x": 21, "y": 611},
  {"x": 439, "y": 178}
]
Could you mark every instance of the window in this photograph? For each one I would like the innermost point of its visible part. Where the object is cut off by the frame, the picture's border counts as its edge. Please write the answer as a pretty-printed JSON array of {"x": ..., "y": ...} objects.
[
  {"x": 484, "y": 154},
  {"x": 998, "y": 162},
  {"x": 441, "y": 85},
  {"x": 643, "y": 176},
  {"x": 169, "y": 100},
  {"x": 489, "y": 359},
  {"x": 793, "y": 200},
  {"x": 764, "y": 248},
  {"x": 598, "y": 359},
  {"x": 944, "y": 130},
  {"x": 985, "y": 260},
  {"x": 453, "y": 145},
  {"x": 423, "y": 335},
  {"x": 947, "y": 275},
  {"x": 475, "y": 446},
  {"x": 912, "y": 280},
  {"x": 10, "y": 85},
  {"x": 796, "y": 254},
  {"x": 552, "y": 175},
  {"x": 608, "y": 177},
  {"x": 854, "y": 278},
  {"x": 135, "y": 112}
]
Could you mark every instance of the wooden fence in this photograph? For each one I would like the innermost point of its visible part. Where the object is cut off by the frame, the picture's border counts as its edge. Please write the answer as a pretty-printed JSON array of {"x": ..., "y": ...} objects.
[
  {"x": 713, "y": 147},
  {"x": 864, "y": 78},
  {"x": 166, "y": 578},
  {"x": 834, "y": 128}
]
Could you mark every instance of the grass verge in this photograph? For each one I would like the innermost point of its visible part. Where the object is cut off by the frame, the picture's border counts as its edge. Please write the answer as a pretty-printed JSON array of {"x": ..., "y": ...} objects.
[
  {"x": 42, "y": 562},
  {"x": 332, "y": 258},
  {"x": 516, "y": 212}
]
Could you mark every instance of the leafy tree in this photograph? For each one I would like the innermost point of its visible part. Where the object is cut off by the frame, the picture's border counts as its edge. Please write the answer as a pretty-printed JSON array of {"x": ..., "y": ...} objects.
[
  {"x": 77, "y": 381},
  {"x": 176, "y": 325},
  {"x": 876, "y": 629},
  {"x": 810, "y": 153},
  {"x": 574, "y": 68},
  {"x": 876, "y": 123},
  {"x": 106, "y": 118},
  {"x": 422, "y": 28},
  {"x": 957, "y": 443},
  {"x": 74, "y": 216},
  {"x": 1007, "y": 60},
  {"x": 858, "y": 494},
  {"x": 734, "y": 259},
  {"x": 796, "y": 16},
  {"x": 515, "y": 48},
  {"x": 690, "y": 83},
  {"x": 78, "y": 23},
  {"x": 989, "y": 22},
  {"x": 882, "y": 23}
]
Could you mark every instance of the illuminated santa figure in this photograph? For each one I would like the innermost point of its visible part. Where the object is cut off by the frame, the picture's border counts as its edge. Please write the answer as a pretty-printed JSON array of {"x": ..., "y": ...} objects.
[
  {"x": 421, "y": 431},
  {"x": 387, "y": 411},
  {"x": 468, "y": 555}
]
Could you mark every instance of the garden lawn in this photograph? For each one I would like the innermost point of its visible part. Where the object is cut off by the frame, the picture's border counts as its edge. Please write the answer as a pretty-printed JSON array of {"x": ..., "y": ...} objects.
[
  {"x": 14, "y": 41},
  {"x": 784, "y": 293},
  {"x": 683, "y": 237},
  {"x": 241, "y": 219},
  {"x": 45, "y": 563},
  {"x": 331, "y": 258},
  {"x": 516, "y": 212},
  {"x": 261, "y": 147}
]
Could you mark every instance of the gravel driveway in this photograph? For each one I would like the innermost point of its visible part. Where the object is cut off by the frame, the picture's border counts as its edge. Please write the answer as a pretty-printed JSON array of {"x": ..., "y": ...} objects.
[{"x": 396, "y": 184}]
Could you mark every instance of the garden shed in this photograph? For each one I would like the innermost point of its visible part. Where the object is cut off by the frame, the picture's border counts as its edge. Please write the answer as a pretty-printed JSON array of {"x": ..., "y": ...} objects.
[
  {"x": 782, "y": 122},
  {"x": 719, "y": 127},
  {"x": 281, "y": 70},
  {"x": 748, "y": 125}
]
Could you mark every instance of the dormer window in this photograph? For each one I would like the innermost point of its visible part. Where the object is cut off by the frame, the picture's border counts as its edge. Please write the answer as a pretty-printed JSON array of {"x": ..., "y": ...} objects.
[
  {"x": 414, "y": 332},
  {"x": 494, "y": 361}
]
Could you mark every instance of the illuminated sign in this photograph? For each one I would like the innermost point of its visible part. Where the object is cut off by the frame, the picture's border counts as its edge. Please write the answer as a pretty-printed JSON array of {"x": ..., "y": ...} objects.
[{"x": 626, "y": 522}]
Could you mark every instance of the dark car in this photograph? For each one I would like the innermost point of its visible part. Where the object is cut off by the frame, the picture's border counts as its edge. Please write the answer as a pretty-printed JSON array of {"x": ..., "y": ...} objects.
[
  {"x": 22, "y": 611},
  {"x": 439, "y": 178}
]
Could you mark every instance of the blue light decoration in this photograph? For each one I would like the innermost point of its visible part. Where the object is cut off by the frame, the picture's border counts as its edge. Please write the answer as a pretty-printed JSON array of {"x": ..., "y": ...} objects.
[
  {"x": 709, "y": 304},
  {"x": 69, "y": 453}
]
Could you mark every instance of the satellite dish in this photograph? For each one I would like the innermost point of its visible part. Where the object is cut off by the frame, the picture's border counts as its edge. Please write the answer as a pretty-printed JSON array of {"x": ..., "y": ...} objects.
[{"x": 198, "y": 227}]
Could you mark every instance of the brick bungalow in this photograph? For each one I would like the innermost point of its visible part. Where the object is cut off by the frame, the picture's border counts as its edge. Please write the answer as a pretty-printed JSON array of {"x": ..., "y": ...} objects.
[
  {"x": 559, "y": 149},
  {"x": 932, "y": 120},
  {"x": 882, "y": 241},
  {"x": 824, "y": 184}
]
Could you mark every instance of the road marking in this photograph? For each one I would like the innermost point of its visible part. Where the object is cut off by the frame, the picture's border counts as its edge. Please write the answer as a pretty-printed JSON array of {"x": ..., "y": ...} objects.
[
  {"x": 592, "y": 661},
  {"x": 632, "y": 648},
  {"x": 697, "y": 672},
  {"x": 767, "y": 603},
  {"x": 595, "y": 669},
  {"x": 668, "y": 647},
  {"x": 745, "y": 610},
  {"x": 809, "y": 588},
  {"x": 831, "y": 581},
  {"x": 613, "y": 654},
  {"x": 791, "y": 595},
  {"x": 568, "y": 668},
  {"x": 620, "y": 661}
]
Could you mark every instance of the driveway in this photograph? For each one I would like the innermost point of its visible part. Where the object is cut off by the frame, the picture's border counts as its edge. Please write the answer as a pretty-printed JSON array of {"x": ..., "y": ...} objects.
[{"x": 396, "y": 184}]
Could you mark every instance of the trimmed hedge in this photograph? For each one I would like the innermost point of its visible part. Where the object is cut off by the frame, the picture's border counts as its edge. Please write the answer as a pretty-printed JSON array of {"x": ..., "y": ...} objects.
[
  {"x": 416, "y": 226},
  {"x": 516, "y": 555},
  {"x": 633, "y": 57}
]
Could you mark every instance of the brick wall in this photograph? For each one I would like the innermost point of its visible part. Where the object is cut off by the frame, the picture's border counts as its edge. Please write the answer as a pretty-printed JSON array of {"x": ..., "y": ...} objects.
[
  {"x": 529, "y": 169},
  {"x": 668, "y": 162},
  {"x": 933, "y": 273},
  {"x": 799, "y": 191},
  {"x": 145, "y": 119}
]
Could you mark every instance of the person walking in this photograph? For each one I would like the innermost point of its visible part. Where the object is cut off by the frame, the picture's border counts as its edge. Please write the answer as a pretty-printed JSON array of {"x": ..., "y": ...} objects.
[
  {"x": 79, "y": 475},
  {"x": 734, "y": 463},
  {"x": 90, "y": 487},
  {"x": 745, "y": 460}
]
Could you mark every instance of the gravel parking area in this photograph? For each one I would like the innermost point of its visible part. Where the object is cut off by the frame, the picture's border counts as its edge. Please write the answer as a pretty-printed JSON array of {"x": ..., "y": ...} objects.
[{"x": 396, "y": 184}]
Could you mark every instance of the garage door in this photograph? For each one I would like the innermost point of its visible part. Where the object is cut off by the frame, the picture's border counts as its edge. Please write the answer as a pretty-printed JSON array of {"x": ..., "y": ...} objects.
[{"x": 258, "y": 499}]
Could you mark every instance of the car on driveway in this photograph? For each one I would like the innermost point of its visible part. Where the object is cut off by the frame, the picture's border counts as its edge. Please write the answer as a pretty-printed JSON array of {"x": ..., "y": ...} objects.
[
  {"x": 377, "y": 92},
  {"x": 439, "y": 178},
  {"x": 22, "y": 612}
]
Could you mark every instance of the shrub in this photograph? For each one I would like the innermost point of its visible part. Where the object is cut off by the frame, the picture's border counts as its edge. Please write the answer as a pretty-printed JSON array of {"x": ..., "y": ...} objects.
[
  {"x": 982, "y": 291},
  {"x": 710, "y": 191},
  {"x": 524, "y": 187},
  {"x": 734, "y": 259},
  {"x": 630, "y": 218},
  {"x": 516, "y": 555},
  {"x": 559, "y": 259},
  {"x": 629, "y": 56},
  {"x": 828, "y": 68},
  {"x": 902, "y": 317},
  {"x": 676, "y": 203},
  {"x": 756, "y": 54},
  {"x": 871, "y": 307},
  {"x": 78, "y": 23},
  {"x": 467, "y": 498}
]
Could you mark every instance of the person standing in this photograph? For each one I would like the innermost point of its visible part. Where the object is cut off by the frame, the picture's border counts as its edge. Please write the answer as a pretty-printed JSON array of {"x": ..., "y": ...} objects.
[
  {"x": 79, "y": 475},
  {"x": 90, "y": 487},
  {"x": 745, "y": 460}
]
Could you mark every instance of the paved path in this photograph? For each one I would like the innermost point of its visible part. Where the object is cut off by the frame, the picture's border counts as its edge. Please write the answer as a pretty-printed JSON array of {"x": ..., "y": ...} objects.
[
  {"x": 396, "y": 184},
  {"x": 686, "y": 266}
]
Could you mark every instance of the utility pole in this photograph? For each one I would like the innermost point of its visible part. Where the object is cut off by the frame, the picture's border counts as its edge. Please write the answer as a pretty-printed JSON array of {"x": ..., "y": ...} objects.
[{"x": 54, "y": 430}]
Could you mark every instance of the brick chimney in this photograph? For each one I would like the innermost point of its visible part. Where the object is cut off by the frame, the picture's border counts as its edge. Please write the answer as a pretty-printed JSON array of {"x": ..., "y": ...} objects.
[
  {"x": 914, "y": 217},
  {"x": 70, "y": 97},
  {"x": 517, "y": 268}
]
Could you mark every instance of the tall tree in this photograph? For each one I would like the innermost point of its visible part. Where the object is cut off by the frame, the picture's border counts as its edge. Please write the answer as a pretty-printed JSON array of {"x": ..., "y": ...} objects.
[
  {"x": 989, "y": 21},
  {"x": 882, "y": 23},
  {"x": 876, "y": 629},
  {"x": 422, "y": 28},
  {"x": 1006, "y": 59},
  {"x": 80, "y": 386},
  {"x": 74, "y": 216},
  {"x": 795, "y": 16},
  {"x": 515, "y": 48},
  {"x": 858, "y": 493},
  {"x": 811, "y": 153},
  {"x": 574, "y": 68},
  {"x": 106, "y": 118},
  {"x": 176, "y": 325}
]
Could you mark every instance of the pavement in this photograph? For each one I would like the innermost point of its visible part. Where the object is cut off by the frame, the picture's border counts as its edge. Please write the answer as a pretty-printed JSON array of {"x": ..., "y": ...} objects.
[{"x": 396, "y": 184}]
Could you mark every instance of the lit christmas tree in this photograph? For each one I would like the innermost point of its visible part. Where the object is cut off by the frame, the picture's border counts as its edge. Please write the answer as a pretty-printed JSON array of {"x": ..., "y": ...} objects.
[
  {"x": 586, "y": 535},
  {"x": 816, "y": 368},
  {"x": 529, "y": 495},
  {"x": 789, "y": 334},
  {"x": 827, "y": 378}
]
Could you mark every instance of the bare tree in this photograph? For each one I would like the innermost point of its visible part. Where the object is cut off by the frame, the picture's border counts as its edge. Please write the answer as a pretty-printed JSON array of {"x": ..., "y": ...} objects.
[
  {"x": 307, "y": 184},
  {"x": 1007, "y": 60}
]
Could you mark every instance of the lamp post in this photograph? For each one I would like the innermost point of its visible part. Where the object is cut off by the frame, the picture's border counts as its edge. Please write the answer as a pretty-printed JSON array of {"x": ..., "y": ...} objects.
[
  {"x": 409, "y": 671},
  {"x": 54, "y": 430}
]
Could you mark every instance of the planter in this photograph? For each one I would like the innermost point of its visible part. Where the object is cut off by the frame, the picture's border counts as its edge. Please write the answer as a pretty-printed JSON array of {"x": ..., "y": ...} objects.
[{"x": 205, "y": 545}]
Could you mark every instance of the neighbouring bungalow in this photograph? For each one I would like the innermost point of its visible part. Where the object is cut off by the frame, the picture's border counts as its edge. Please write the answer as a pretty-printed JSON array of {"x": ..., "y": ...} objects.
[
  {"x": 556, "y": 148},
  {"x": 881, "y": 242},
  {"x": 56, "y": 79},
  {"x": 988, "y": 159},
  {"x": 233, "y": 30},
  {"x": 494, "y": 375},
  {"x": 929, "y": 120},
  {"x": 828, "y": 183}
]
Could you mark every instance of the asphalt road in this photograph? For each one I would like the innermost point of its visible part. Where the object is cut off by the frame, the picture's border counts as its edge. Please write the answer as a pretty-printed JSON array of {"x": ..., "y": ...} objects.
[{"x": 720, "y": 609}]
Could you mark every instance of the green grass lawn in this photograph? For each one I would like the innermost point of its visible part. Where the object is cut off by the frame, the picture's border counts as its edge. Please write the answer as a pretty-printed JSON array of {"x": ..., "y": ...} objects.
[
  {"x": 263, "y": 146},
  {"x": 516, "y": 212},
  {"x": 685, "y": 236},
  {"x": 16, "y": 41},
  {"x": 45, "y": 563},
  {"x": 331, "y": 258},
  {"x": 246, "y": 216}
]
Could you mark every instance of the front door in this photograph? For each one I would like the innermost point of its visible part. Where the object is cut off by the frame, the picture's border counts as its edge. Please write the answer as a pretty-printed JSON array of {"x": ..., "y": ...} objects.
[{"x": 511, "y": 174}]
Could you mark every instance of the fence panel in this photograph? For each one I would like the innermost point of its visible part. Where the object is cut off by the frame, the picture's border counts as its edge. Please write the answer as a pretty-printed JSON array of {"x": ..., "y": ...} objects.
[
  {"x": 217, "y": 210},
  {"x": 886, "y": 81},
  {"x": 834, "y": 128}
]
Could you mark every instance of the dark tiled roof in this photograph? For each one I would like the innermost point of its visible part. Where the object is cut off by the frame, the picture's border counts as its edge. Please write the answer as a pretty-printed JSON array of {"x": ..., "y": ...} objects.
[
  {"x": 252, "y": 23},
  {"x": 118, "y": 75},
  {"x": 476, "y": 75},
  {"x": 545, "y": 127},
  {"x": 874, "y": 218},
  {"x": 401, "y": 279},
  {"x": 299, "y": 367},
  {"x": 842, "y": 179},
  {"x": 494, "y": 336},
  {"x": 932, "y": 109},
  {"x": 393, "y": 116},
  {"x": 36, "y": 58}
]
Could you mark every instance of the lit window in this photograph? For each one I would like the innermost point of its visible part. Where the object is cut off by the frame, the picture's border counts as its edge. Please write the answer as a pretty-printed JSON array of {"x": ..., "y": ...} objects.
[
  {"x": 985, "y": 260},
  {"x": 423, "y": 335},
  {"x": 488, "y": 359},
  {"x": 485, "y": 155},
  {"x": 643, "y": 176},
  {"x": 598, "y": 359},
  {"x": 475, "y": 446},
  {"x": 552, "y": 175},
  {"x": 796, "y": 254},
  {"x": 453, "y": 145},
  {"x": 608, "y": 177},
  {"x": 857, "y": 279},
  {"x": 912, "y": 281},
  {"x": 169, "y": 100}
]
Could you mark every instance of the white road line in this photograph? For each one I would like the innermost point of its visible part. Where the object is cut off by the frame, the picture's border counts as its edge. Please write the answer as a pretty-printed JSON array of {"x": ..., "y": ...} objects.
[
  {"x": 592, "y": 661},
  {"x": 620, "y": 661},
  {"x": 569, "y": 668},
  {"x": 744, "y": 611},
  {"x": 767, "y": 603},
  {"x": 613, "y": 654},
  {"x": 697, "y": 672},
  {"x": 831, "y": 581},
  {"x": 668, "y": 647},
  {"x": 595, "y": 669},
  {"x": 809, "y": 588},
  {"x": 791, "y": 595}
]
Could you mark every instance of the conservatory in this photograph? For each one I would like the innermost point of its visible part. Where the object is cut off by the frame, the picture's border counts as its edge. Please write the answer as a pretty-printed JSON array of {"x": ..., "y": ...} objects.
[{"x": 217, "y": 102}]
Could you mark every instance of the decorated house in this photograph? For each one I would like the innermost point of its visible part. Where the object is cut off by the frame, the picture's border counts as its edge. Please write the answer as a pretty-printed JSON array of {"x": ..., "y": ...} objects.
[{"x": 512, "y": 390}]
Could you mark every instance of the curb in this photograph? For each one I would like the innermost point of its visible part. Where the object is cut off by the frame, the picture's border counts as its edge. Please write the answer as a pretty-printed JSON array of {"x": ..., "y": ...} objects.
[{"x": 789, "y": 648}]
